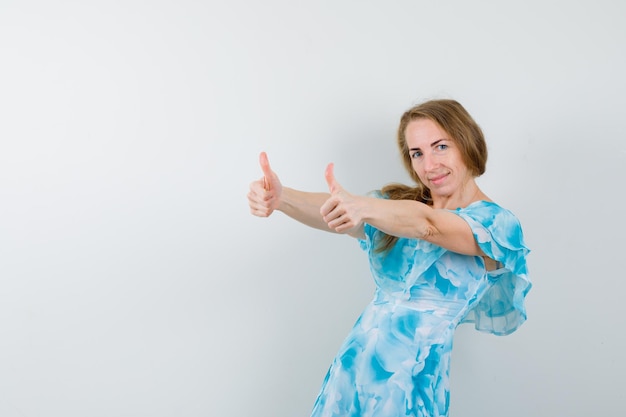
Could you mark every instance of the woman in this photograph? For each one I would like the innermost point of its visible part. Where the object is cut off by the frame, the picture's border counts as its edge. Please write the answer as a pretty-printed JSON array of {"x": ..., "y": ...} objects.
[{"x": 441, "y": 253}]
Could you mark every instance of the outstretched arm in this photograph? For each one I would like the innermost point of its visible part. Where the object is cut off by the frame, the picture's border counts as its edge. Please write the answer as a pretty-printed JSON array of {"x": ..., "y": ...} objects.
[
  {"x": 342, "y": 212},
  {"x": 412, "y": 219},
  {"x": 403, "y": 218}
]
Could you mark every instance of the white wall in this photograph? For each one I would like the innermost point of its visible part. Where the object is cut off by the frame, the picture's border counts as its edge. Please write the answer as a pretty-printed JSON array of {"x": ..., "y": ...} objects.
[{"x": 134, "y": 282}]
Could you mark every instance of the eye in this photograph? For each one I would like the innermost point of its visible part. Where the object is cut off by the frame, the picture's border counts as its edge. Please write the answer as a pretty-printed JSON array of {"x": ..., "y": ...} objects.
[
  {"x": 416, "y": 154},
  {"x": 442, "y": 147}
]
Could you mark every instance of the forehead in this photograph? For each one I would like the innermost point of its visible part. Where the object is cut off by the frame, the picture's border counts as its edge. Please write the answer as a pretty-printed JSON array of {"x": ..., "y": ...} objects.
[{"x": 420, "y": 133}]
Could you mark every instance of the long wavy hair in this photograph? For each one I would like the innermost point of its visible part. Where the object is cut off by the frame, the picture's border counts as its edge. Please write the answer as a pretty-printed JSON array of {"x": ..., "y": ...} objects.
[{"x": 452, "y": 117}]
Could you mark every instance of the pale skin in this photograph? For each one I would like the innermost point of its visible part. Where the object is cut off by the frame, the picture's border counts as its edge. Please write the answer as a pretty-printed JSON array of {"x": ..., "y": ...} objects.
[{"x": 437, "y": 162}]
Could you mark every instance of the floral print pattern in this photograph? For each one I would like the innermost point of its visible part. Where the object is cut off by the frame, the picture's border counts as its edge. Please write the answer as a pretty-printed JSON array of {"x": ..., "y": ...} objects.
[{"x": 395, "y": 362}]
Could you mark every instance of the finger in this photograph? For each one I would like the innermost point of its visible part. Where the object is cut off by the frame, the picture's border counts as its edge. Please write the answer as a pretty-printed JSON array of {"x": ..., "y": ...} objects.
[
  {"x": 335, "y": 222},
  {"x": 257, "y": 189},
  {"x": 340, "y": 225},
  {"x": 267, "y": 170},
  {"x": 260, "y": 211},
  {"x": 259, "y": 196},
  {"x": 259, "y": 207},
  {"x": 328, "y": 208},
  {"x": 333, "y": 185}
]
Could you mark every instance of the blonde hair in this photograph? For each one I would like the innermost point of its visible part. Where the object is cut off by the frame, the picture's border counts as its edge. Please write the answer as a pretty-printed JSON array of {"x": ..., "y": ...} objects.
[{"x": 452, "y": 117}]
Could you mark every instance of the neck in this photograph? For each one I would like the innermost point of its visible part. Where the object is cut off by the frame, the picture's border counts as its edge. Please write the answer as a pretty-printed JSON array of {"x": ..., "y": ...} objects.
[{"x": 465, "y": 196}]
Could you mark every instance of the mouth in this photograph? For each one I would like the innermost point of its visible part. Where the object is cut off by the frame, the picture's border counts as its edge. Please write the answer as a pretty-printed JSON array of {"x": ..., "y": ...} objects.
[{"x": 437, "y": 180}]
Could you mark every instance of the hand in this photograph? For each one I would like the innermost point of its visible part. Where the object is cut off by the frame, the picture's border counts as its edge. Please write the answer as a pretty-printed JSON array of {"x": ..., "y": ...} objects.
[
  {"x": 264, "y": 195},
  {"x": 341, "y": 211}
]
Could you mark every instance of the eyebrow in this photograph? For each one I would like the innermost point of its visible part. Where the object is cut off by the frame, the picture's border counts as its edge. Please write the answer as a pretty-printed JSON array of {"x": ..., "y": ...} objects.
[{"x": 435, "y": 143}]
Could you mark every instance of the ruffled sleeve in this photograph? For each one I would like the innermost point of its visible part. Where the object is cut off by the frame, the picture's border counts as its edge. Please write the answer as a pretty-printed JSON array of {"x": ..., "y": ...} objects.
[
  {"x": 367, "y": 243},
  {"x": 501, "y": 310}
]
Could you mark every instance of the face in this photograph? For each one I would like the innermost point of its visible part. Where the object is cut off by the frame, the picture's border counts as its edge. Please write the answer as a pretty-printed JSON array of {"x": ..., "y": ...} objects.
[{"x": 436, "y": 158}]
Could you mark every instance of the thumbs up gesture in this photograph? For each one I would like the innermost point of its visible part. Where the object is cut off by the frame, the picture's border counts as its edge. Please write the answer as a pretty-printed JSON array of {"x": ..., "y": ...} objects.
[
  {"x": 341, "y": 211},
  {"x": 264, "y": 195}
]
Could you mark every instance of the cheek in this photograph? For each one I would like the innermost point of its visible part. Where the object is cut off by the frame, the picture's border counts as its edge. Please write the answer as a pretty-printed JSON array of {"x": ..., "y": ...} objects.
[{"x": 418, "y": 170}]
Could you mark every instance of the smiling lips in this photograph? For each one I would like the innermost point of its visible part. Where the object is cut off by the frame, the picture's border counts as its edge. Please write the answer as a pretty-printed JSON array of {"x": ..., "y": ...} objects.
[{"x": 437, "y": 180}]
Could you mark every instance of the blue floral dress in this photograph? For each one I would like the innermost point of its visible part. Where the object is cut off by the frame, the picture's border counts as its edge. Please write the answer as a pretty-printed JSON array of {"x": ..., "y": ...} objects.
[{"x": 395, "y": 362}]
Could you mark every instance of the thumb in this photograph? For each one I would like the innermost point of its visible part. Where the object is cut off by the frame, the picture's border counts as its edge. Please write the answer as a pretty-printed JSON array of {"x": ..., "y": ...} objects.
[
  {"x": 333, "y": 185},
  {"x": 267, "y": 171}
]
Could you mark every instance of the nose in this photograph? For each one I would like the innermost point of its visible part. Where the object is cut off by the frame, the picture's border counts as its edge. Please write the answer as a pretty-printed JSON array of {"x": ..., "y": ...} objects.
[{"x": 429, "y": 162}]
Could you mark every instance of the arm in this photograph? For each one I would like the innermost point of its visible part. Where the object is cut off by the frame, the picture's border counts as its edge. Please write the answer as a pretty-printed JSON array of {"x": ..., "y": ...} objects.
[
  {"x": 304, "y": 207},
  {"x": 402, "y": 218},
  {"x": 413, "y": 219}
]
